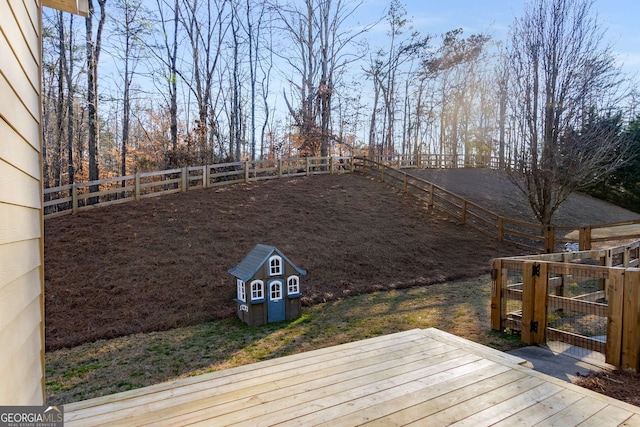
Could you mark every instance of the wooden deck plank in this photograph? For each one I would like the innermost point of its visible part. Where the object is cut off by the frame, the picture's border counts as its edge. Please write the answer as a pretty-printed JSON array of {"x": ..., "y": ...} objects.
[
  {"x": 255, "y": 374},
  {"x": 609, "y": 415},
  {"x": 290, "y": 389},
  {"x": 478, "y": 403},
  {"x": 575, "y": 414},
  {"x": 363, "y": 405},
  {"x": 505, "y": 409},
  {"x": 337, "y": 395},
  {"x": 542, "y": 410},
  {"x": 419, "y": 377},
  {"x": 402, "y": 410}
]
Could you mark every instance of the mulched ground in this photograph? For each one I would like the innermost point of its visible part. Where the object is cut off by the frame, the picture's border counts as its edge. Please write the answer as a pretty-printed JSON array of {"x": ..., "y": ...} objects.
[
  {"x": 621, "y": 385},
  {"x": 161, "y": 263}
]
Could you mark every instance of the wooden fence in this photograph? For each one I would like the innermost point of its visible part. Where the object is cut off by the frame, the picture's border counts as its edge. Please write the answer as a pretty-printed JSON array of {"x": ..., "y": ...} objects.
[
  {"x": 527, "y": 234},
  {"x": 69, "y": 199},
  {"x": 587, "y": 299}
]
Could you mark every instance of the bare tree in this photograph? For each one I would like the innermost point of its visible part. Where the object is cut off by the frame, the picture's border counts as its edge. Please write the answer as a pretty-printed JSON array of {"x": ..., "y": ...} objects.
[
  {"x": 320, "y": 39},
  {"x": 93, "y": 57},
  {"x": 561, "y": 74},
  {"x": 131, "y": 28},
  {"x": 205, "y": 23}
]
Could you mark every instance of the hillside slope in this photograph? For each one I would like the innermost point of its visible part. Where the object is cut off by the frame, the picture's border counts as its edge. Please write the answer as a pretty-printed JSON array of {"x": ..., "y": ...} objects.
[
  {"x": 162, "y": 262},
  {"x": 493, "y": 190}
]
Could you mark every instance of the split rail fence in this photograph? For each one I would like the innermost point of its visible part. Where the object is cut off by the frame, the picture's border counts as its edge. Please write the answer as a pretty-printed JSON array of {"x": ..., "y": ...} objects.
[
  {"x": 77, "y": 197},
  {"x": 527, "y": 234},
  {"x": 588, "y": 299},
  {"x": 68, "y": 199}
]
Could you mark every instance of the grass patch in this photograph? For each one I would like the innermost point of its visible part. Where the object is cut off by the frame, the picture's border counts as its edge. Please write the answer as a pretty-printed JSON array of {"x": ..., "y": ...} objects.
[{"x": 109, "y": 366}]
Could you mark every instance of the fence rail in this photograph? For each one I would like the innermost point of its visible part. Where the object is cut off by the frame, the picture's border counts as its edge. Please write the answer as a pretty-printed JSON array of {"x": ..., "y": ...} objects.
[
  {"x": 527, "y": 234},
  {"x": 587, "y": 299},
  {"x": 69, "y": 199},
  {"x": 76, "y": 197}
]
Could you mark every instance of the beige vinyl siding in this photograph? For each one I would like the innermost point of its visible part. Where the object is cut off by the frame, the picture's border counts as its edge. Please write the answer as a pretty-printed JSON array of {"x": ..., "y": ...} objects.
[{"x": 21, "y": 227}]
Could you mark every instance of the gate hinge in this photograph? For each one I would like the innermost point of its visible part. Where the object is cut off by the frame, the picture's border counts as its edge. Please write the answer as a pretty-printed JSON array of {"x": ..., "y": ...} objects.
[
  {"x": 535, "y": 271},
  {"x": 533, "y": 327}
]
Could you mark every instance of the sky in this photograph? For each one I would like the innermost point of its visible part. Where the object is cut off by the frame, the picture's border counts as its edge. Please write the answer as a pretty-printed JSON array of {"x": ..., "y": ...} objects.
[{"x": 620, "y": 19}]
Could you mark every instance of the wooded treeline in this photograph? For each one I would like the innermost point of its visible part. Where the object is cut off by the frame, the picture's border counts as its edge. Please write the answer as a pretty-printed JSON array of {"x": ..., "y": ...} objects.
[{"x": 145, "y": 85}]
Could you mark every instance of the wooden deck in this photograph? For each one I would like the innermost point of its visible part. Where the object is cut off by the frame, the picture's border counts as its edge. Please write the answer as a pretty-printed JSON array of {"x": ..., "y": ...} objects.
[{"x": 419, "y": 377}]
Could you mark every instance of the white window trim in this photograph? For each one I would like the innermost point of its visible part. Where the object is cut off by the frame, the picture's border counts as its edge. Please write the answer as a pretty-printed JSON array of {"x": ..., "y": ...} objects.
[
  {"x": 275, "y": 270},
  {"x": 280, "y": 285},
  {"x": 261, "y": 290},
  {"x": 297, "y": 285},
  {"x": 242, "y": 291}
]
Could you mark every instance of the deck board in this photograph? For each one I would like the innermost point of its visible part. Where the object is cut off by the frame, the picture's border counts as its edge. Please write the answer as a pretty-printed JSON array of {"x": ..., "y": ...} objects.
[{"x": 417, "y": 377}]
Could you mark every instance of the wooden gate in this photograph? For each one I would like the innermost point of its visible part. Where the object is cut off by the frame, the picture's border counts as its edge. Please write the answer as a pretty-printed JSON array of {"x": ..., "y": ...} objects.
[{"x": 589, "y": 306}]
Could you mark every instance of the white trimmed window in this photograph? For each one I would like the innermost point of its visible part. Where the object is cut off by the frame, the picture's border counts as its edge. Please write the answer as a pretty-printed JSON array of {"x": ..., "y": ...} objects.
[
  {"x": 257, "y": 290},
  {"x": 242, "y": 296},
  {"x": 276, "y": 290},
  {"x": 293, "y": 285},
  {"x": 275, "y": 265}
]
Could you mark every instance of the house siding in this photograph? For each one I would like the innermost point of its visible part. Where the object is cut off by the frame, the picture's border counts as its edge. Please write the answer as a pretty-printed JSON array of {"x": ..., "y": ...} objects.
[{"x": 21, "y": 225}]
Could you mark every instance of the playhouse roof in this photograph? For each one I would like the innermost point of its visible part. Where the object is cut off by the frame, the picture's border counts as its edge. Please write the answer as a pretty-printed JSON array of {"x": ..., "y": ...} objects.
[{"x": 256, "y": 259}]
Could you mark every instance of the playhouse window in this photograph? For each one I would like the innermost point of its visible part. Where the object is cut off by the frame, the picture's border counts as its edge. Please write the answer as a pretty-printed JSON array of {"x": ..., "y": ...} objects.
[
  {"x": 275, "y": 265},
  {"x": 293, "y": 285},
  {"x": 276, "y": 290},
  {"x": 242, "y": 296},
  {"x": 257, "y": 290}
]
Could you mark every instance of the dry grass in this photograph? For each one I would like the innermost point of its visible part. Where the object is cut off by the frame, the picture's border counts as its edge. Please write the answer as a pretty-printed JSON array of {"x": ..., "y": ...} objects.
[{"x": 110, "y": 366}]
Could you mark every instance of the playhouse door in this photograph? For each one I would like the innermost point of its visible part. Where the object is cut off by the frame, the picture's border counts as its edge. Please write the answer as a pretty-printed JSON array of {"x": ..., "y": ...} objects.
[{"x": 275, "y": 303}]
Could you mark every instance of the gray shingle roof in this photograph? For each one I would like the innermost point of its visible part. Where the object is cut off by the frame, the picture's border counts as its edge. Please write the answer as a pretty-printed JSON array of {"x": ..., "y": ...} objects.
[{"x": 256, "y": 259}]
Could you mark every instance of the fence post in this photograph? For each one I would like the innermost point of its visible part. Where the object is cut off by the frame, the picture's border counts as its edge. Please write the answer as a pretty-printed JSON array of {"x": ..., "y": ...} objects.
[
  {"x": 585, "y": 238},
  {"x": 331, "y": 164},
  {"x": 205, "y": 176},
  {"x": 137, "y": 185},
  {"x": 534, "y": 302},
  {"x": 631, "y": 320},
  {"x": 279, "y": 168},
  {"x": 431, "y": 195},
  {"x": 464, "y": 211},
  {"x": 185, "y": 180},
  {"x": 550, "y": 239},
  {"x": 74, "y": 199},
  {"x": 615, "y": 299},
  {"x": 246, "y": 171},
  {"x": 497, "y": 302},
  {"x": 308, "y": 166}
]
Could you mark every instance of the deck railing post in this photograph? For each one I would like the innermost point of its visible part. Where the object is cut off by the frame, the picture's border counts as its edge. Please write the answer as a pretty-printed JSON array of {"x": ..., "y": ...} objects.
[
  {"x": 184, "y": 175},
  {"x": 205, "y": 176},
  {"x": 500, "y": 229}
]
